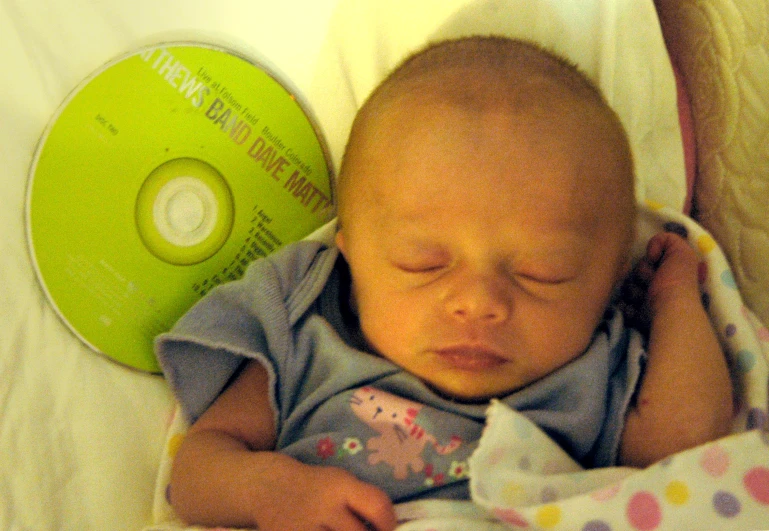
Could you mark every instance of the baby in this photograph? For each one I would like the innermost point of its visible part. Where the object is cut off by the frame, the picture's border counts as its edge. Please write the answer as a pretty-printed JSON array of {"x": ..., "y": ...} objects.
[{"x": 486, "y": 218}]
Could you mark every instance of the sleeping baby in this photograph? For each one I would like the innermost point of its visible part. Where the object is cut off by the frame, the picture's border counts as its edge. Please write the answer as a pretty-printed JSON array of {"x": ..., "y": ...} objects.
[{"x": 486, "y": 219}]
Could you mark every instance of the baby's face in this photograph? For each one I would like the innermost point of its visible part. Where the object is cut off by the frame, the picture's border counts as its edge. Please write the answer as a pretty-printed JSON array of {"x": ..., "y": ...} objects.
[{"x": 480, "y": 261}]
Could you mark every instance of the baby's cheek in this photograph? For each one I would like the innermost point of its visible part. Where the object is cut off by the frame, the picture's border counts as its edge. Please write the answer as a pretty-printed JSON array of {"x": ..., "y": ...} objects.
[
  {"x": 385, "y": 327},
  {"x": 562, "y": 337}
]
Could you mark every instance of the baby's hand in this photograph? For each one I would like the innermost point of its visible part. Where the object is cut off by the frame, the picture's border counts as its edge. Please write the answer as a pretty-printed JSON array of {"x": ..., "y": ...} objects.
[
  {"x": 674, "y": 269},
  {"x": 330, "y": 499},
  {"x": 669, "y": 272}
]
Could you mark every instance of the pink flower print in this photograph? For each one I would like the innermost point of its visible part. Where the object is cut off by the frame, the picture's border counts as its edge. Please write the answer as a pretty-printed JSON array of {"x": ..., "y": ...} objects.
[
  {"x": 325, "y": 448},
  {"x": 433, "y": 480}
]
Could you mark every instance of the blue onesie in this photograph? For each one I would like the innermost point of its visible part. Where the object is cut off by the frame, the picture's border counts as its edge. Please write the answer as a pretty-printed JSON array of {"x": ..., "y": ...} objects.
[{"x": 337, "y": 404}]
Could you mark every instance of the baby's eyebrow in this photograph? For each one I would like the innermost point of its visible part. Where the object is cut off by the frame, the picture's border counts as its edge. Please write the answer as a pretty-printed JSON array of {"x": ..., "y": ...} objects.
[
  {"x": 420, "y": 247},
  {"x": 562, "y": 256}
]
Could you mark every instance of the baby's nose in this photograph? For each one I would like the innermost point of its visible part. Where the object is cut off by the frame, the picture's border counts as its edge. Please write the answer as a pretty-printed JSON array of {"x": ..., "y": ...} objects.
[{"x": 479, "y": 298}]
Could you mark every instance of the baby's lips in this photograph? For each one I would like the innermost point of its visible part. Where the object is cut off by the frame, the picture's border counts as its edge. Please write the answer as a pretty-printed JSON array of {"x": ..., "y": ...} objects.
[{"x": 469, "y": 357}]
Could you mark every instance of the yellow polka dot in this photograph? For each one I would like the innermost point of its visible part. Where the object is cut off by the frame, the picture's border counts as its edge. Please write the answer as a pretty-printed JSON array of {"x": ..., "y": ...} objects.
[
  {"x": 174, "y": 443},
  {"x": 706, "y": 244},
  {"x": 549, "y": 516},
  {"x": 514, "y": 494},
  {"x": 677, "y": 492},
  {"x": 654, "y": 205}
]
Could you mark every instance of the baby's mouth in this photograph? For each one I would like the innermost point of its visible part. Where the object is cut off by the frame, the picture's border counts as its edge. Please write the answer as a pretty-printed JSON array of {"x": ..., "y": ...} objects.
[{"x": 470, "y": 358}]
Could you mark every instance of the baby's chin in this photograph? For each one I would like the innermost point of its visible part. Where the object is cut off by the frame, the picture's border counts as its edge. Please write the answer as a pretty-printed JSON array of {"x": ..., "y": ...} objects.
[{"x": 475, "y": 393}]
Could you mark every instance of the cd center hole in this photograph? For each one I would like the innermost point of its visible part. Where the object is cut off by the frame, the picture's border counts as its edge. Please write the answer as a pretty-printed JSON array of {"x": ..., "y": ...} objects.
[{"x": 185, "y": 211}]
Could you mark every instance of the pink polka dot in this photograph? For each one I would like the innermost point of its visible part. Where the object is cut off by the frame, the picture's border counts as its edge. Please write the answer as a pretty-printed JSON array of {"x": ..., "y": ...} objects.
[
  {"x": 511, "y": 517},
  {"x": 715, "y": 461},
  {"x": 644, "y": 512},
  {"x": 756, "y": 482},
  {"x": 496, "y": 456},
  {"x": 763, "y": 334},
  {"x": 605, "y": 494},
  {"x": 552, "y": 467}
]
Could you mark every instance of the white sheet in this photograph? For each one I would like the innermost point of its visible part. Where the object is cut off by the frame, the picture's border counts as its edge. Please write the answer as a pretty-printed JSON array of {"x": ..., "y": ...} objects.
[{"x": 80, "y": 436}]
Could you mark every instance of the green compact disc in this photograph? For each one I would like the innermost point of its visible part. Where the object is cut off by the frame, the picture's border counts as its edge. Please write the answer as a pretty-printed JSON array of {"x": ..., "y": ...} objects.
[{"x": 163, "y": 175}]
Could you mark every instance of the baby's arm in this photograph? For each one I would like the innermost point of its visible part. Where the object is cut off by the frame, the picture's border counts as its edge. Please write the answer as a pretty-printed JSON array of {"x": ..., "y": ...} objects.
[
  {"x": 685, "y": 398},
  {"x": 226, "y": 474}
]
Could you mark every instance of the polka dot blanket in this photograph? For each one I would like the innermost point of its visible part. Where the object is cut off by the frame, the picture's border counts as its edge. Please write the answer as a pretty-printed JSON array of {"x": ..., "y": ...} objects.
[{"x": 521, "y": 479}]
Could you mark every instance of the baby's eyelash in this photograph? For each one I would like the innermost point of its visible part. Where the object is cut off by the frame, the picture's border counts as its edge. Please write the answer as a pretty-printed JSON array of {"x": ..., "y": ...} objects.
[
  {"x": 539, "y": 278},
  {"x": 543, "y": 279},
  {"x": 408, "y": 268}
]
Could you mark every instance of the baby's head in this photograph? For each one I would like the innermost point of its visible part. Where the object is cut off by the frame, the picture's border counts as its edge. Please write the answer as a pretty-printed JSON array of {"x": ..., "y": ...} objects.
[{"x": 487, "y": 212}]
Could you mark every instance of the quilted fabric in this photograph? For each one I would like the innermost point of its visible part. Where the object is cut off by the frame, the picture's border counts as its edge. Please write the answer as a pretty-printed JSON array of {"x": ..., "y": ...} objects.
[{"x": 722, "y": 47}]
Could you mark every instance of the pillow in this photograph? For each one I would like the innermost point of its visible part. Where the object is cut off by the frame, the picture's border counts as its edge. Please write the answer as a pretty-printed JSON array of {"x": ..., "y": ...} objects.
[
  {"x": 617, "y": 43},
  {"x": 722, "y": 49}
]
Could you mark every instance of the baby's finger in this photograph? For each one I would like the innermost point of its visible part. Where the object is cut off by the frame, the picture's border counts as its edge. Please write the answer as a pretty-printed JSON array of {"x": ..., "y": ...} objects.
[
  {"x": 348, "y": 521},
  {"x": 666, "y": 245},
  {"x": 374, "y": 507},
  {"x": 656, "y": 247}
]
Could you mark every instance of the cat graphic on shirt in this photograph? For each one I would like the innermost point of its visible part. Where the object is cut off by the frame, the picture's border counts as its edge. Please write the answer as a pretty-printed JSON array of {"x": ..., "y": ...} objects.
[{"x": 401, "y": 439}]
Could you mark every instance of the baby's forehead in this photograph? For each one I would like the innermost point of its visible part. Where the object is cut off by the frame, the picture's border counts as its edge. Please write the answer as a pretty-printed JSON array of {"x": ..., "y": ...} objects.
[
  {"x": 515, "y": 81},
  {"x": 537, "y": 96}
]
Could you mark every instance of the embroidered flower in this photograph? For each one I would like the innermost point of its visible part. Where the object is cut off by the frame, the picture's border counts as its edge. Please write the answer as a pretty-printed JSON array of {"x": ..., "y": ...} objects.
[
  {"x": 352, "y": 446},
  {"x": 325, "y": 448},
  {"x": 433, "y": 480},
  {"x": 458, "y": 469}
]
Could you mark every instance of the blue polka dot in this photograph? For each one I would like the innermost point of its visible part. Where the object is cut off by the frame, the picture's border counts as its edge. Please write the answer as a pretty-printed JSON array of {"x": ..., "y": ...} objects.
[
  {"x": 757, "y": 419},
  {"x": 746, "y": 360},
  {"x": 727, "y": 279},
  {"x": 596, "y": 525},
  {"x": 677, "y": 228},
  {"x": 726, "y": 504},
  {"x": 549, "y": 495},
  {"x": 731, "y": 329}
]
